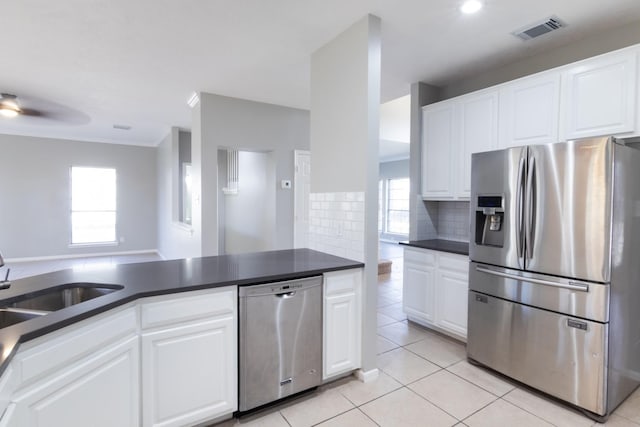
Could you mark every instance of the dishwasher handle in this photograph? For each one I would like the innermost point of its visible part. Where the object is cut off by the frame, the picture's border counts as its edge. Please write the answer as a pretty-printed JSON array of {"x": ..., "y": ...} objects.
[{"x": 286, "y": 295}]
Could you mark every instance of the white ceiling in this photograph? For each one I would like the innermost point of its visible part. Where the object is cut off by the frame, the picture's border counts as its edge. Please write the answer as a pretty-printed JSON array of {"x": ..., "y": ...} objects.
[{"x": 105, "y": 62}]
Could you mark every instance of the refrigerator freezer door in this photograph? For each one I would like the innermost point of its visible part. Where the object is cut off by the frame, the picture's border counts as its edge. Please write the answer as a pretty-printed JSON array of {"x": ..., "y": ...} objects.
[
  {"x": 568, "y": 218},
  {"x": 555, "y": 353},
  {"x": 575, "y": 298},
  {"x": 498, "y": 174}
]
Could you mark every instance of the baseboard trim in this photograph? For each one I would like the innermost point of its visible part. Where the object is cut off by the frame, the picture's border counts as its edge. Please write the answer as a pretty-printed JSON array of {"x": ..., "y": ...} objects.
[
  {"x": 367, "y": 376},
  {"x": 83, "y": 255}
]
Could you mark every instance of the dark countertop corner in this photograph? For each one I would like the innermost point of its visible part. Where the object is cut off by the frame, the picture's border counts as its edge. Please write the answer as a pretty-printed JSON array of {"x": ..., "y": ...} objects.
[{"x": 451, "y": 246}]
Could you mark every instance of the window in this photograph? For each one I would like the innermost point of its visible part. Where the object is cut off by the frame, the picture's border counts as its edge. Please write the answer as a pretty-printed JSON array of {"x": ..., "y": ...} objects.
[
  {"x": 93, "y": 205},
  {"x": 397, "y": 206}
]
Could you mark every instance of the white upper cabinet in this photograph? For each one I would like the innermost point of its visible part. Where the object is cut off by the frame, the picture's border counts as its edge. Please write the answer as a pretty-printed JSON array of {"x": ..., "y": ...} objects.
[
  {"x": 478, "y": 131},
  {"x": 529, "y": 110},
  {"x": 451, "y": 131},
  {"x": 599, "y": 96},
  {"x": 595, "y": 97},
  {"x": 438, "y": 146}
]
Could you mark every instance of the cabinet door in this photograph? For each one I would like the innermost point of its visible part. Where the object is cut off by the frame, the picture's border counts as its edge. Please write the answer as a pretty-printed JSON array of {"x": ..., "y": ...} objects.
[
  {"x": 99, "y": 391},
  {"x": 342, "y": 321},
  {"x": 418, "y": 291},
  {"x": 599, "y": 96},
  {"x": 342, "y": 335},
  {"x": 189, "y": 373},
  {"x": 452, "y": 297},
  {"x": 529, "y": 110},
  {"x": 477, "y": 123},
  {"x": 438, "y": 140}
]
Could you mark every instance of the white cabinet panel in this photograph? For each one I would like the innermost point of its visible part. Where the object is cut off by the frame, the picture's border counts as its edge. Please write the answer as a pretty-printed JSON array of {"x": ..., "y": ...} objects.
[
  {"x": 340, "y": 312},
  {"x": 529, "y": 111},
  {"x": 451, "y": 131},
  {"x": 100, "y": 391},
  {"x": 189, "y": 372},
  {"x": 189, "y": 369},
  {"x": 451, "y": 305},
  {"x": 599, "y": 96},
  {"x": 190, "y": 306},
  {"x": 342, "y": 322},
  {"x": 438, "y": 145},
  {"x": 13, "y": 416},
  {"x": 435, "y": 295},
  {"x": 478, "y": 127},
  {"x": 61, "y": 348},
  {"x": 418, "y": 291}
]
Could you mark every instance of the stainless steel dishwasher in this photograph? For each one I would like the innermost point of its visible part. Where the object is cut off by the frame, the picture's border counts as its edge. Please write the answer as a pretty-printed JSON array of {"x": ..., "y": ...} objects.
[{"x": 280, "y": 340}]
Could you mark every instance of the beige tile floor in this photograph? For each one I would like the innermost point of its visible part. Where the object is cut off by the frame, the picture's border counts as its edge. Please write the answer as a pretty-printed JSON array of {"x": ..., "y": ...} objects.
[{"x": 425, "y": 380}]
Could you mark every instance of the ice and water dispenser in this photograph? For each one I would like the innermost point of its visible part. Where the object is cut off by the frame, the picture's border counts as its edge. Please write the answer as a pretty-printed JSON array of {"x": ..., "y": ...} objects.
[{"x": 490, "y": 221}]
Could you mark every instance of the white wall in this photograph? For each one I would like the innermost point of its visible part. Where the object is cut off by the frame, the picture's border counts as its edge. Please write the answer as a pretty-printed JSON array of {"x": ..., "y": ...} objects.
[
  {"x": 35, "y": 195},
  {"x": 175, "y": 240},
  {"x": 249, "y": 216},
  {"x": 345, "y": 103},
  {"x": 225, "y": 122}
]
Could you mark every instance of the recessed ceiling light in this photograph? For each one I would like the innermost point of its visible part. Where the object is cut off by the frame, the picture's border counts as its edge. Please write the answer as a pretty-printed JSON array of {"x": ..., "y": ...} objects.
[{"x": 471, "y": 6}]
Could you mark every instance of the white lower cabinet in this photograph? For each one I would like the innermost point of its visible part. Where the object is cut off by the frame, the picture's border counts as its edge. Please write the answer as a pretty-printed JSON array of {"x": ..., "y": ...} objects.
[
  {"x": 69, "y": 381},
  {"x": 176, "y": 355},
  {"x": 435, "y": 290},
  {"x": 342, "y": 322},
  {"x": 101, "y": 391},
  {"x": 189, "y": 367},
  {"x": 419, "y": 281}
]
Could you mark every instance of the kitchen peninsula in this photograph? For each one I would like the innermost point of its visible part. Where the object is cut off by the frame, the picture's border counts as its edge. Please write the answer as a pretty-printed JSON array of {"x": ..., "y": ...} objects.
[{"x": 160, "y": 349}]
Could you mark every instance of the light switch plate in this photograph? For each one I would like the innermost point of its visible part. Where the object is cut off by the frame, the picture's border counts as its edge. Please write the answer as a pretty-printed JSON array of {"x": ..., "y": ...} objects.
[{"x": 285, "y": 183}]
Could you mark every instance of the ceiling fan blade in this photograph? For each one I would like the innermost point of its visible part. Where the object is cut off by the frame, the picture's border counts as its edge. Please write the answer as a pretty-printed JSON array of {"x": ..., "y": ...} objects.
[{"x": 32, "y": 113}]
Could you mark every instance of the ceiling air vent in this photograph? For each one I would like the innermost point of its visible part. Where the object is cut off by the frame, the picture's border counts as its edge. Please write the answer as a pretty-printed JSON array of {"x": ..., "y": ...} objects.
[{"x": 539, "y": 28}]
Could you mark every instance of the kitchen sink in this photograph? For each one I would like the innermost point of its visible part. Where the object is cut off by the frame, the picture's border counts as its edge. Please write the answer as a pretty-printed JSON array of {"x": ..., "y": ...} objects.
[
  {"x": 62, "y": 297},
  {"x": 9, "y": 316}
]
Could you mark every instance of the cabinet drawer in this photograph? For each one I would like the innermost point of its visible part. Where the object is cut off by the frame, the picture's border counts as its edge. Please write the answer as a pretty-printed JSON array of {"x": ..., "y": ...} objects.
[
  {"x": 338, "y": 282},
  {"x": 458, "y": 263},
  {"x": 50, "y": 354},
  {"x": 420, "y": 256},
  {"x": 172, "y": 309}
]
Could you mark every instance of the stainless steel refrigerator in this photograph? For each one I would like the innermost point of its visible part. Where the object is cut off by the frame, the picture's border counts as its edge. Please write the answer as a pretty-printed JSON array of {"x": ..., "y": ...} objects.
[{"x": 554, "y": 273}]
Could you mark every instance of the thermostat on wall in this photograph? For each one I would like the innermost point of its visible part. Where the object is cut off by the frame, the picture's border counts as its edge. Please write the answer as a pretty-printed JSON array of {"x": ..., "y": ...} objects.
[{"x": 285, "y": 183}]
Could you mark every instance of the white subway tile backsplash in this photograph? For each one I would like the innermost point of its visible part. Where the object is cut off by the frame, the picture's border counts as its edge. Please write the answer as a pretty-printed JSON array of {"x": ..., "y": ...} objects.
[
  {"x": 453, "y": 221},
  {"x": 337, "y": 224}
]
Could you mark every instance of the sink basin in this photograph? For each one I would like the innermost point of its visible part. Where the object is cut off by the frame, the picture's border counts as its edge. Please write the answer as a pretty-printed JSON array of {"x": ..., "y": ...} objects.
[
  {"x": 62, "y": 297},
  {"x": 10, "y": 316}
]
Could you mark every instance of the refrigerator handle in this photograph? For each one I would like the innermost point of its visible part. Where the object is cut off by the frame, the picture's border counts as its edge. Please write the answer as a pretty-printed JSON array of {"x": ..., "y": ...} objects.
[
  {"x": 574, "y": 286},
  {"x": 519, "y": 206},
  {"x": 529, "y": 203}
]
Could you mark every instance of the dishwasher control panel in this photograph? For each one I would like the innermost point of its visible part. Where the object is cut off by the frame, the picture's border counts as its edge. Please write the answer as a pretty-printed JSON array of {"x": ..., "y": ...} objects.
[{"x": 278, "y": 287}]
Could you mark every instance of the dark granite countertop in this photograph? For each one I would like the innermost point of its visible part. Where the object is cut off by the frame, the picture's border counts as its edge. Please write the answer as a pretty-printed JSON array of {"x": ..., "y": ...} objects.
[
  {"x": 157, "y": 278},
  {"x": 452, "y": 246}
]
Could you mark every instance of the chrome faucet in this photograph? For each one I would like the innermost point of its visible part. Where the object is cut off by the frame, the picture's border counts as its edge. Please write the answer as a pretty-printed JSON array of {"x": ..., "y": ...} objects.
[{"x": 4, "y": 284}]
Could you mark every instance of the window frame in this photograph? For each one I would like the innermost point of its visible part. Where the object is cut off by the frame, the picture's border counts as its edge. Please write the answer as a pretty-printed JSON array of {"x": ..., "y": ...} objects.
[
  {"x": 384, "y": 208},
  {"x": 114, "y": 242}
]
